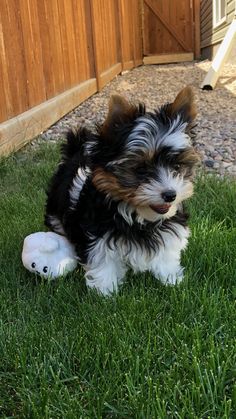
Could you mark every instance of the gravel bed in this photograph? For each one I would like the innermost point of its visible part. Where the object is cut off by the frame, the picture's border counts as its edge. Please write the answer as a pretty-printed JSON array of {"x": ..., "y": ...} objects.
[{"x": 158, "y": 84}]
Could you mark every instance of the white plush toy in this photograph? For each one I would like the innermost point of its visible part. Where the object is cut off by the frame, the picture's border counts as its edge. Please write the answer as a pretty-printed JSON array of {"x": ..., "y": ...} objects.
[{"x": 48, "y": 254}]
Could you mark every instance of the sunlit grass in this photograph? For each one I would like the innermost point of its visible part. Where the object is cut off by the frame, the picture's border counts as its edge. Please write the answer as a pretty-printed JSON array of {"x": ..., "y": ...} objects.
[{"x": 149, "y": 352}]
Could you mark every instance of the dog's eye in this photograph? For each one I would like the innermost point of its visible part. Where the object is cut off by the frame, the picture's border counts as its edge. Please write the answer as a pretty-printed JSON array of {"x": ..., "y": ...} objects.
[
  {"x": 45, "y": 269},
  {"x": 177, "y": 167},
  {"x": 33, "y": 265}
]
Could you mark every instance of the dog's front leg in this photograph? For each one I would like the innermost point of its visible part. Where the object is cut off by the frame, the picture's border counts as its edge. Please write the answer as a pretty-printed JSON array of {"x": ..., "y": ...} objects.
[
  {"x": 166, "y": 265},
  {"x": 104, "y": 269}
]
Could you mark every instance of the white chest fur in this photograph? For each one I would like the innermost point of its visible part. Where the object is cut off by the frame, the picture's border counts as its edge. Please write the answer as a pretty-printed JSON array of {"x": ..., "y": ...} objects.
[{"x": 108, "y": 262}]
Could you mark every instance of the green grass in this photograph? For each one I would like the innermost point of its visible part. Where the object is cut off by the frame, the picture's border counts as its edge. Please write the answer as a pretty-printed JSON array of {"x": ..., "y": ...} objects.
[{"x": 149, "y": 352}]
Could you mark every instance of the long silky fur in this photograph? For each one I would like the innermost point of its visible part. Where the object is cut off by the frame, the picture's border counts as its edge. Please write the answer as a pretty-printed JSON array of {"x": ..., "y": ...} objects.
[{"x": 99, "y": 165}]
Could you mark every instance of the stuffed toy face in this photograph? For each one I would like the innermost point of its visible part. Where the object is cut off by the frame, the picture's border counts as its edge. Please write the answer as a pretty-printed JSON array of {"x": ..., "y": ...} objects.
[{"x": 48, "y": 254}]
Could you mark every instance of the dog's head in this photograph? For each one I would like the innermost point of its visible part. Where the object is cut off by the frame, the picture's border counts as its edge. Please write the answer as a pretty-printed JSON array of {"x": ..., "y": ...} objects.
[{"x": 146, "y": 159}]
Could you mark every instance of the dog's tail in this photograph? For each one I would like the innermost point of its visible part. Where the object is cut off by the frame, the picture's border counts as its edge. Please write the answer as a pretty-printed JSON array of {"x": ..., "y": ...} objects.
[{"x": 76, "y": 140}]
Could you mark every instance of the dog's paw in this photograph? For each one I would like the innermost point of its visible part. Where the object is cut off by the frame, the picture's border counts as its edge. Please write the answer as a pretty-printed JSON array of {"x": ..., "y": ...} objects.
[
  {"x": 102, "y": 288},
  {"x": 173, "y": 278}
]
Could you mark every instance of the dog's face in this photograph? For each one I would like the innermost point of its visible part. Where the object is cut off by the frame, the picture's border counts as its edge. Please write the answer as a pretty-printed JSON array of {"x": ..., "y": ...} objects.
[{"x": 146, "y": 159}]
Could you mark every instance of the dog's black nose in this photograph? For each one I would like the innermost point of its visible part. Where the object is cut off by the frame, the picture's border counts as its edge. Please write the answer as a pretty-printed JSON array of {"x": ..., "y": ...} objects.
[{"x": 169, "y": 196}]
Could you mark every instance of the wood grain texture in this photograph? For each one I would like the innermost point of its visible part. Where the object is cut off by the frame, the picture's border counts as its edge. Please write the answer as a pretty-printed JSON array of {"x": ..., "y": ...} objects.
[
  {"x": 17, "y": 131},
  {"x": 130, "y": 33},
  {"x": 32, "y": 50},
  {"x": 197, "y": 35},
  {"x": 106, "y": 35},
  {"x": 168, "y": 58},
  {"x": 50, "y": 47},
  {"x": 45, "y": 48},
  {"x": 14, "y": 99},
  {"x": 168, "y": 27}
]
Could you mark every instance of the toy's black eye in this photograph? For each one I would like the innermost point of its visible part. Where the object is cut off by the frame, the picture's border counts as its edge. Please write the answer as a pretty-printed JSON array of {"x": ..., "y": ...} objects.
[
  {"x": 45, "y": 269},
  {"x": 33, "y": 265}
]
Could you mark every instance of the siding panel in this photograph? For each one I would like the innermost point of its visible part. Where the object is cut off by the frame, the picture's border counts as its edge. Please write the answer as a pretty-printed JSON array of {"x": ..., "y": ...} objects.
[{"x": 210, "y": 35}]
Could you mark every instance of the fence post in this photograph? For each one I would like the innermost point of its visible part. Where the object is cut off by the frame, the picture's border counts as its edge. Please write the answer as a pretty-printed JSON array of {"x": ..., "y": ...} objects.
[{"x": 96, "y": 63}]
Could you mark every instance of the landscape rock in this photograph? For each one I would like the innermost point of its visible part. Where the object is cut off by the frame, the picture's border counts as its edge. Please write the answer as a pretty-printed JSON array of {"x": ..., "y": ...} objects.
[{"x": 158, "y": 84}]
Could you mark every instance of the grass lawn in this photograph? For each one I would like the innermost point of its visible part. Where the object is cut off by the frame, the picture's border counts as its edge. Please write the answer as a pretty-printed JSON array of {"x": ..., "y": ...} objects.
[{"x": 149, "y": 352}]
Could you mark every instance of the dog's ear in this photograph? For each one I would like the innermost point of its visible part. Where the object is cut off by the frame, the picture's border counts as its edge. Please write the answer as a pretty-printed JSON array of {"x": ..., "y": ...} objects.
[
  {"x": 120, "y": 111},
  {"x": 184, "y": 105}
]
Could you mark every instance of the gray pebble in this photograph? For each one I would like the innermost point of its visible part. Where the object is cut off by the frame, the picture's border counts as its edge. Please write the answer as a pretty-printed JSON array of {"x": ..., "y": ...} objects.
[
  {"x": 209, "y": 163},
  {"x": 158, "y": 84}
]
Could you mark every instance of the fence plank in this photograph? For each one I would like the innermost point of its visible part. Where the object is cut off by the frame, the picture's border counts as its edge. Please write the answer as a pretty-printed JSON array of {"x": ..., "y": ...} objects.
[
  {"x": 197, "y": 25},
  {"x": 137, "y": 32},
  {"x": 126, "y": 34},
  {"x": 13, "y": 62},
  {"x": 105, "y": 24},
  {"x": 54, "y": 57},
  {"x": 17, "y": 131},
  {"x": 83, "y": 39},
  {"x": 32, "y": 51},
  {"x": 4, "y": 79},
  {"x": 60, "y": 49}
]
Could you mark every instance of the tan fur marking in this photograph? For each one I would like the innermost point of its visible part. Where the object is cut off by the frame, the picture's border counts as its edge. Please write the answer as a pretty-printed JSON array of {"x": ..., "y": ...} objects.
[
  {"x": 184, "y": 101},
  {"x": 119, "y": 109},
  {"x": 107, "y": 183},
  {"x": 119, "y": 104},
  {"x": 189, "y": 156}
]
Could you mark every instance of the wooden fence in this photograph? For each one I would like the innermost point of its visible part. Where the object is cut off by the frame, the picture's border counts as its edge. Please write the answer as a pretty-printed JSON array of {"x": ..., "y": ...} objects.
[
  {"x": 56, "y": 53},
  {"x": 170, "y": 30}
]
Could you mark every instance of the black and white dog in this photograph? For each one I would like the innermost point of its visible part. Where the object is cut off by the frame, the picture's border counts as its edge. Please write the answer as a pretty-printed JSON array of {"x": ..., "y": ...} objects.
[{"x": 117, "y": 193}]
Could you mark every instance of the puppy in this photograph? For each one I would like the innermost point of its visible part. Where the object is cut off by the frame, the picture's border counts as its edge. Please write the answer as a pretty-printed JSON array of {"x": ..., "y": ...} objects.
[{"x": 117, "y": 193}]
